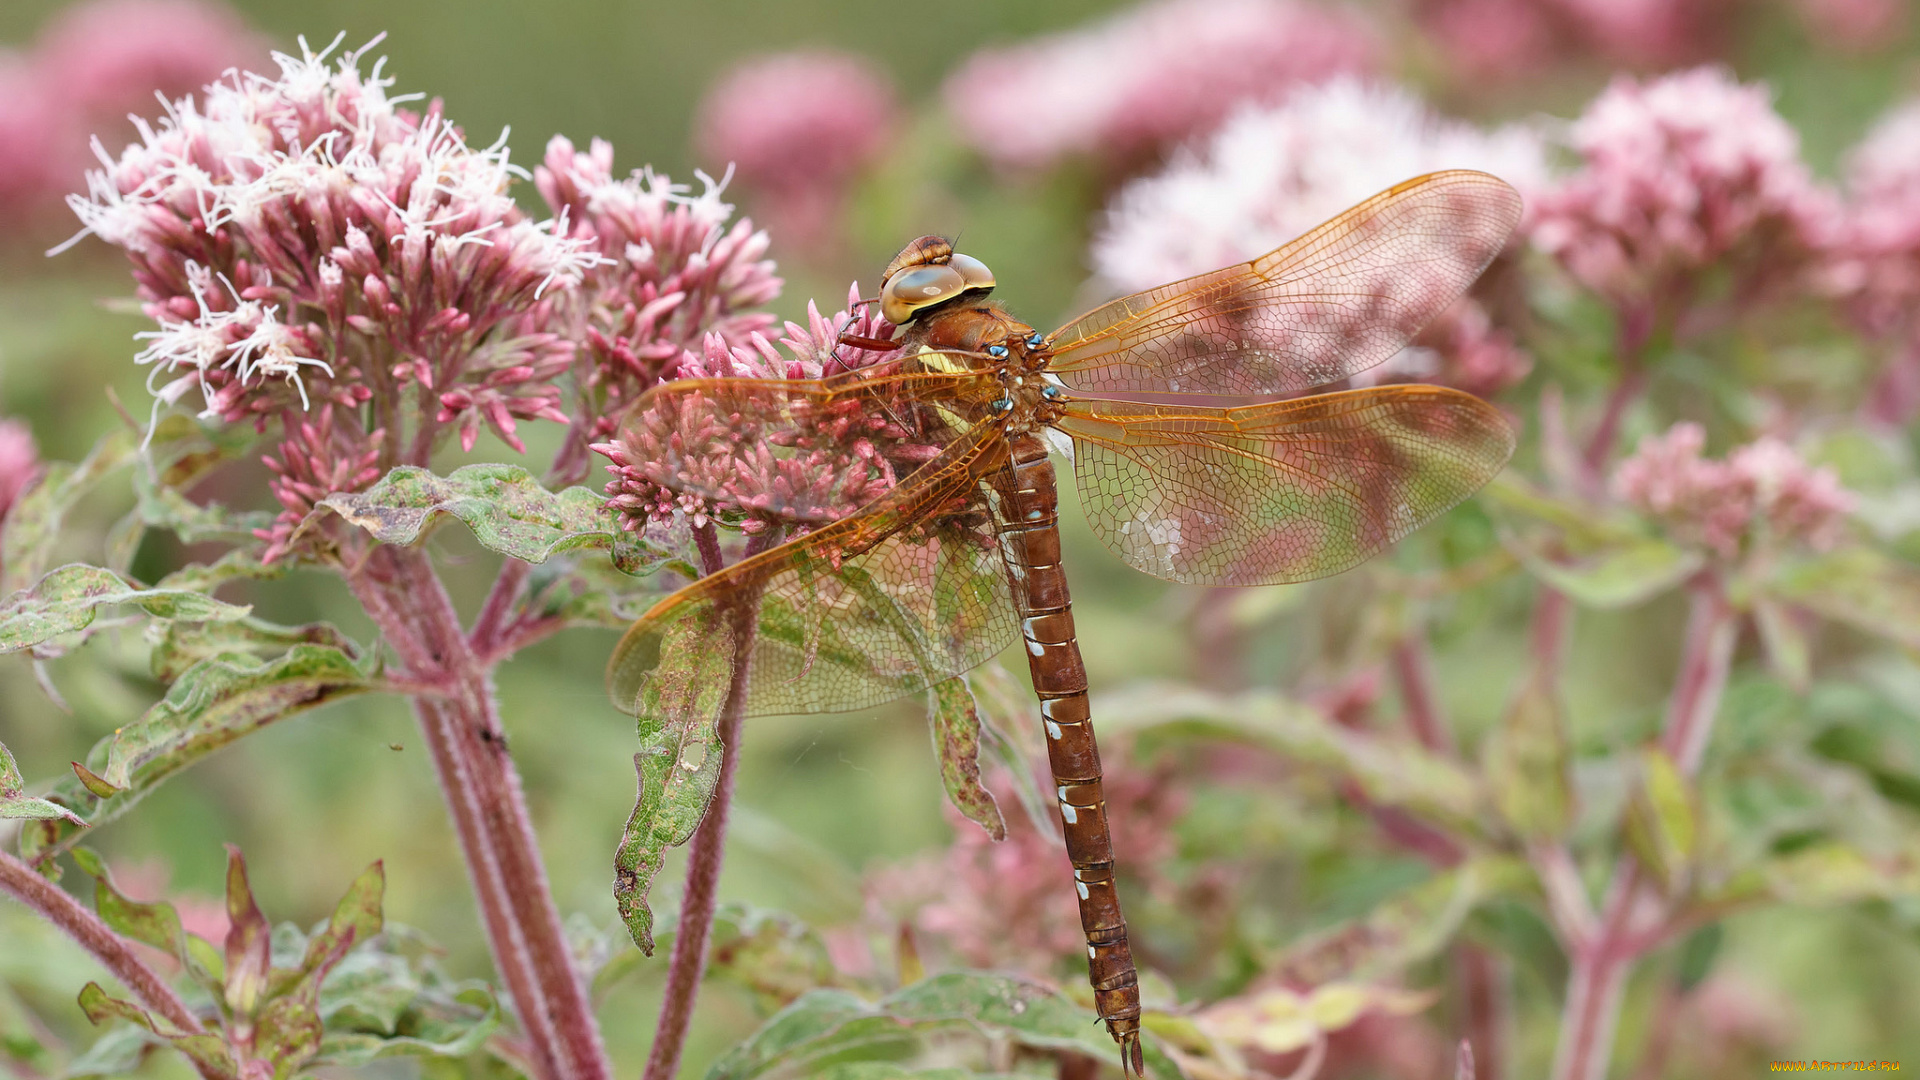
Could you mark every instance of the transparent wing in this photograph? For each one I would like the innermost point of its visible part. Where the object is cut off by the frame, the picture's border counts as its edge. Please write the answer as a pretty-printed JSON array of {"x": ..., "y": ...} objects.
[
  {"x": 906, "y": 593},
  {"x": 1286, "y": 491},
  {"x": 1333, "y": 302},
  {"x": 802, "y": 451}
]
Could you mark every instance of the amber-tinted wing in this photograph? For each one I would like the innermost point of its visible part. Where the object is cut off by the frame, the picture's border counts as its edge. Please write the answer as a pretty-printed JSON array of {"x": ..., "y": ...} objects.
[
  {"x": 1333, "y": 302},
  {"x": 905, "y": 593},
  {"x": 1287, "y": 491},
  {"x": 803, "y": 451}
]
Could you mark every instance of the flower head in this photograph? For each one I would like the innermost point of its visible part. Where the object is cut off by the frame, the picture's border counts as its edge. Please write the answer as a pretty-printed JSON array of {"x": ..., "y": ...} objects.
[
  {"x": 1760, "y": 491},
  {"x": 1875, "y": 261},
  {"x": 797, "y": 128},
  {"x": 306, "y": 241},
  {"x": 1680, "y": 175},
  {"x": 1122, "y": 90}
]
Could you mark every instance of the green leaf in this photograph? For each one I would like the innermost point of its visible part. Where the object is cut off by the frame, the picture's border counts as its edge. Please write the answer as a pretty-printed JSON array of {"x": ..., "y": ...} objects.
[
  {"x": 249, "y": 941},
  {"x": 678, "y": 760},
  {"x": 14, "y": 803},
  {"x": 1403, "y": 930},
  {"x": 1529, "y": 764},
  {"x": 1785, "y": 642},
  {"x": 1697, "y": 955},
  {"x": 162, "y": 506},
  {"x": 1831, "y": 873},
  {"x": 356, "y": 919},
  {"x": 830, "y": 1029},
  {"x": 1392, "y": 772},
  {"x": 507, "y": 509},
  {"x": 1591, "y": 554},
  {"x": 1859, "y": 587},
  {"x": 181, "y": 645},
  {"x": 66, "y": 600},
  {"x": 213, "y": 703},
  {"x": 955, "y": 721},
  {"x": 207, "y": 1052},
  {"x": 378, "y": 1003},
  {"x": 1001, "y": 705},
  {"x": 770, "y": 953},
  {"x": 32, "y": 532},
  {"x": 1663, "y": 820},
  {"x": 153, "y": 923},
  {"x": 237, "y": 565}
]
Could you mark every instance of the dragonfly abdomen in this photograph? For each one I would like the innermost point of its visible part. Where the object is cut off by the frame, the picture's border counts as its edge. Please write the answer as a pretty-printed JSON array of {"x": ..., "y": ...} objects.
[{"x": 1029, "y": 531}]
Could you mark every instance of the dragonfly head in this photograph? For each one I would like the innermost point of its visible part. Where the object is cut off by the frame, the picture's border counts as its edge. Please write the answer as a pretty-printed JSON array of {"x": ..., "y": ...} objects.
[{"x": 927, "y": 273}]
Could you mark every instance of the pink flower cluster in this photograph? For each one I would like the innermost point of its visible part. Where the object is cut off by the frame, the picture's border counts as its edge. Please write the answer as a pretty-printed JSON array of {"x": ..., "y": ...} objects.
[
  {"x": 1762, "y": 492},
  {"x": 797, "y": 129},
  {"x": 1681, "y": 175},
  {"x": 1123, "y": 90},
  {"x": 752, "y": 460},
  {"x": 668, "y": 272},
  {"x": 304, "y": 240},
  {"x": 92, "y": 63}
]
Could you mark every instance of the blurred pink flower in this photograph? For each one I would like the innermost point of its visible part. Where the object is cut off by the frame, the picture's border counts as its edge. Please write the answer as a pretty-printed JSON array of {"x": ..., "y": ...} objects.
[
  {"x": 1875, "y": 265},
  {"x": 1271, "y": 173},
  {"x": 1857, "y": 25},
  {"x": 92, "y": 64},
  {"x": 109, "y": 57},
  {"x": 1681, "y": 174},
  {"x": 19, "y": 463},
  {"x": 1505, "y": 40},
  {"x": 32, "y": 130},
  {"x": 1121, "y": 91},
  {"x": 1001, "y": 905},
  {"x": 797, "y": 129},
  {"x": 303, "y": 241},
  {"x": 1761, "y": 492}
]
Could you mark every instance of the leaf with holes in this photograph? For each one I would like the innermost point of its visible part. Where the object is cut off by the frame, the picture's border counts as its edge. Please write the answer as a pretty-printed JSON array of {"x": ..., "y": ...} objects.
[
  {"x": 507, "y": 509},
  {"x": 955, "y": 721}
]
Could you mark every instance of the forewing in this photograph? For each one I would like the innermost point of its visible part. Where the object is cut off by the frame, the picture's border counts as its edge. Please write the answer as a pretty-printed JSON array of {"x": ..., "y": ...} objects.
[
  {"x": 1286, "y": 491},
  {"x": 801, "y": 451},
  {"x": 1335, "y": 301},
  {"x": 906, "y": 593}
]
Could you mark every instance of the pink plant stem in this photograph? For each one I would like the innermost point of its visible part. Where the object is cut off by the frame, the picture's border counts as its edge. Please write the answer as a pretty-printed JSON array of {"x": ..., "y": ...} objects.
[
  {"x": 1602, "y": 963},
  {"x": 707, "y": 852},
  {"x": 1712, "y": 629},
  {"x": 1482, "y": 984},
  {"x": 113, "y": 952},
  {"x": 463, "y": 733},
  {"x": 1413, "y": 672}
]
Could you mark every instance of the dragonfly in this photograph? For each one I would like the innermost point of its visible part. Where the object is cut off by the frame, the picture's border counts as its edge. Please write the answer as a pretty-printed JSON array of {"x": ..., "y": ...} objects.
[{"x": 917, "y": 496}]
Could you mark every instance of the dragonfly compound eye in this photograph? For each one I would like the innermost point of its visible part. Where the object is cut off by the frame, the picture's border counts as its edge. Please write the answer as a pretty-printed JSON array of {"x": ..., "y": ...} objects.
[{"x": 913, "y": 289}]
